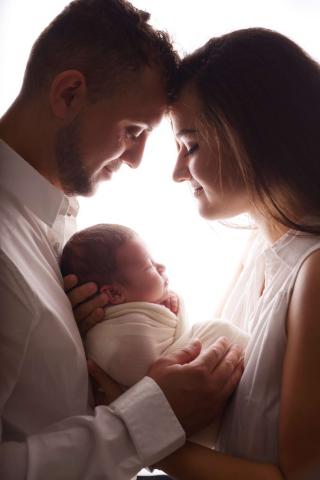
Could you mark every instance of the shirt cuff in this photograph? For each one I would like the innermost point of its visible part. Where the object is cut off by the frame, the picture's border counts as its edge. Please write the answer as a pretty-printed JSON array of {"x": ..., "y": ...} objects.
[{"x": 153, "y": 427}]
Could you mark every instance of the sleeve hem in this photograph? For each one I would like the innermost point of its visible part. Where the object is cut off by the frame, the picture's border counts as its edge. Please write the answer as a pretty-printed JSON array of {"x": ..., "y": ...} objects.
[{"x": 153, "y": 427}]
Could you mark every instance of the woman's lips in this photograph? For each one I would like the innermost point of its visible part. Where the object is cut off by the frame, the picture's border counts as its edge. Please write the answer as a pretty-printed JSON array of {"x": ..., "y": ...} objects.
[{"x": 196, "y": 189}]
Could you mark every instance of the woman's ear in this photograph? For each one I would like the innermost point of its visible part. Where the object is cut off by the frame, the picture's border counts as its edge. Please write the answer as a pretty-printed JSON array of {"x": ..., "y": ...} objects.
[
  {"x": 68, "y": 93},
  {"x": 115, "y": 294}
]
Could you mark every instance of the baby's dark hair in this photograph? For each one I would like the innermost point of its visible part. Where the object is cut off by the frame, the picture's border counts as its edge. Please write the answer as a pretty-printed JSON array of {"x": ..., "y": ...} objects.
[{"x": 91, "y": 253}]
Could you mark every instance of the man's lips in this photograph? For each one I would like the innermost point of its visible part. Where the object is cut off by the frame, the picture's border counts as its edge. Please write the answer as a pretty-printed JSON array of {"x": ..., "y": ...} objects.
[{"x": 110, "y": 168}]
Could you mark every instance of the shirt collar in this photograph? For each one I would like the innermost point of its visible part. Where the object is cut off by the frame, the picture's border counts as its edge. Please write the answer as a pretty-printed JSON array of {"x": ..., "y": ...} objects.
[{"x": 32, "y": 189}]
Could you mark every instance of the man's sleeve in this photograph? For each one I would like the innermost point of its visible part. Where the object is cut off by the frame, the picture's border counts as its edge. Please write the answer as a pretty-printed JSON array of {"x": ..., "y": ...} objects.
[{"x": 115, "y": 443}]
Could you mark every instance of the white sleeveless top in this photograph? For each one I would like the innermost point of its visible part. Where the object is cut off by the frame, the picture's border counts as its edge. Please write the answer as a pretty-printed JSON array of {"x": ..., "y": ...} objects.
[{"x": 251, "y": 422}]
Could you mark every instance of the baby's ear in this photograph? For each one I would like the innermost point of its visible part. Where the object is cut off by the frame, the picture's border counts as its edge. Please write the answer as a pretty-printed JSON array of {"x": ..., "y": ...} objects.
[{"x": 115, "y": 294}]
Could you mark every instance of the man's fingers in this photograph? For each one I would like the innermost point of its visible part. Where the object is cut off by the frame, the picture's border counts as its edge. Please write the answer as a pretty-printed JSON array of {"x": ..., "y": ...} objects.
[
  {"x": 234, "y": 379},
  {"x": 85, "y": 309},
  {"x": 90, "y": 321},
  {"x": 179, "y": 357},
  {"x": 184, "y": 355},
  {"x": 69, "y": 281},
  {"x": 213, "y": 355},
  {"x": 111, "y": 389},
  {"x": 80, "y": 294},
  {"x": 225, "y": 370}
]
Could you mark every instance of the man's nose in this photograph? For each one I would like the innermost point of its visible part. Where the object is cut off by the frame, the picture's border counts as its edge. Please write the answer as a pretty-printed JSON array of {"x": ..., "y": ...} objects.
[{"x": 133, "y": 154}]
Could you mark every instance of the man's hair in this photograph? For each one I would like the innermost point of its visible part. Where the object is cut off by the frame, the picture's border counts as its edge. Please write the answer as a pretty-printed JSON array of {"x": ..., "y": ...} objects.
[
  {"x": 91, "y": 253},
  {"x": 261, "y": 94},
  {"x": 106, "y": 40}
]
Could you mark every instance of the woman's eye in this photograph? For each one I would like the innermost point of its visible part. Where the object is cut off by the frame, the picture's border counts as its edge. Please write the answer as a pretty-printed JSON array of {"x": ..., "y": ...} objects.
[{"x": 192, "y": 149}]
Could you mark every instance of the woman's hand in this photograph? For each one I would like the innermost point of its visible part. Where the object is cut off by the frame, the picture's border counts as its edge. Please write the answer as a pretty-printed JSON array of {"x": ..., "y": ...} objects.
[
  {"x": 86, "y": 303},
  {"x": 105, "y": 389}
]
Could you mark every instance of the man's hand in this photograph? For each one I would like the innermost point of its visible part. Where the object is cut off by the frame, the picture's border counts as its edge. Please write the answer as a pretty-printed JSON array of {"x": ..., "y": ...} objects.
[
  {"x": 86, "y": 304},
  {"x": 198, "y": 385},
  {"x": 105, "y": 389}
]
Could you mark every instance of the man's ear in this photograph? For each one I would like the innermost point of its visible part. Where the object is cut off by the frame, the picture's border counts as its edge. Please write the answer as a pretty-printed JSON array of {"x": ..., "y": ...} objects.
[
  {"x": 68, "y": 93},
  {"x": 115, "y": 294}
]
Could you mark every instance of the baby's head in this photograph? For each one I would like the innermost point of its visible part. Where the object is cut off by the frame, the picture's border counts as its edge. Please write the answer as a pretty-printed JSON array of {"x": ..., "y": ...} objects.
[{"x": 116, "y": 259}]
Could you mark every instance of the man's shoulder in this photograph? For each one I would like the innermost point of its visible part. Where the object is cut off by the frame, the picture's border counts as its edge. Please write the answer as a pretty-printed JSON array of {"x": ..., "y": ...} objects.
[{"x": 24, "y": 246}]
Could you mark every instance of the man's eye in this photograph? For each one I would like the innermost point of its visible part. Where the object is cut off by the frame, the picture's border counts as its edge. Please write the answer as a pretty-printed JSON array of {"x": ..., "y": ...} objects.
[
  {"x": 192, "y": 149},
  {"x": 133, "y": 133}
]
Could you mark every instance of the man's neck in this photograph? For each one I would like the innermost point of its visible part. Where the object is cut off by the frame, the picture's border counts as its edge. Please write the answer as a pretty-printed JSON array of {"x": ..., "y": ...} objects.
[{"x": 27, "y": 132}]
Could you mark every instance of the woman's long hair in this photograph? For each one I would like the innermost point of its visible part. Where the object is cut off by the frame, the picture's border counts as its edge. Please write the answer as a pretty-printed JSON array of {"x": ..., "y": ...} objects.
[{"x": 261, "y": 93}]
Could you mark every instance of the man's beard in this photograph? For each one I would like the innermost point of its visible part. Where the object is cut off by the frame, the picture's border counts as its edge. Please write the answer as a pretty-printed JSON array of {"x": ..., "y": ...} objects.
[{"x": 73, "y": 176}]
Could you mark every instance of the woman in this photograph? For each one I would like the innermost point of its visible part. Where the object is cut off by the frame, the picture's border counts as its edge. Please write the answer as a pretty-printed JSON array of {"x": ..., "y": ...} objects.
[{"x": 245, "y": 115}]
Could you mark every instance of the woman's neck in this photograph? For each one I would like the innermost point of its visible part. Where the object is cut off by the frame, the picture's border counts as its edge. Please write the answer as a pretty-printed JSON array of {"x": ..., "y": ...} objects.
[{"x": 270, "y": 229}]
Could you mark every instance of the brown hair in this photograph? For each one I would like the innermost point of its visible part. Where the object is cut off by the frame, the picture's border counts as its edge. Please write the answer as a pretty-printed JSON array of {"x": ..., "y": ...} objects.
[
  {"x": 91, "y": 253},
  {"x": 105, "y": 40},
  {"x": 261, "y": 93}
]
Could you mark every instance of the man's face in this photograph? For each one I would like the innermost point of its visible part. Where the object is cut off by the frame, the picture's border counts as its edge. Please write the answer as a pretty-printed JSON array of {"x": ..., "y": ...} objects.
[{"x": 108, "y": 133}]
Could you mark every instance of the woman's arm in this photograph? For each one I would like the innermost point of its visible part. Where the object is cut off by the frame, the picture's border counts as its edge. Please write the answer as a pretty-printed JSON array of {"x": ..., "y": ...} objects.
[
  {"x": 300, "y": 402},
  {"x": 193, "y": 462},
  {"x": 300, "y": 399}
]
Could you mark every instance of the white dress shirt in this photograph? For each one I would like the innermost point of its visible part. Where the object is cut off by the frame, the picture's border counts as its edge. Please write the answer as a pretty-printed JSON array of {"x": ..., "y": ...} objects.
[{"x": 48, "y": 430}]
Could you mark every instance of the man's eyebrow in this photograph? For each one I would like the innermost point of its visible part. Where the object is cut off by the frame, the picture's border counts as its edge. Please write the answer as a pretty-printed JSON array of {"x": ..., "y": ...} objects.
[{"x": 185, "y": 131}]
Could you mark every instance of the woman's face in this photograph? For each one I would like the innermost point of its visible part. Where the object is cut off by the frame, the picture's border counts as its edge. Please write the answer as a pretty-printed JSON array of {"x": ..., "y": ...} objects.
[{"x": 213, "y": 175}]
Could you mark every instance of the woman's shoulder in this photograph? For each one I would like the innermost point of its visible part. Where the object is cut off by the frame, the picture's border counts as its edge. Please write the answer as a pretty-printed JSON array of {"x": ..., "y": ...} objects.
[{"x": 305, "y": 298}]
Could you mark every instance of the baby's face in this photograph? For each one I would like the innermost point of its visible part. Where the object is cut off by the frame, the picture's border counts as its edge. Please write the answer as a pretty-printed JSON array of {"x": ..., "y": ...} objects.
[{"x": 142, "y": 279}]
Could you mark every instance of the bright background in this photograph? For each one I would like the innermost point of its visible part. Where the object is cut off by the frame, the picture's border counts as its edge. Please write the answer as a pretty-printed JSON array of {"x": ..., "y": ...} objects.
[{"x": 200, "y": 256}]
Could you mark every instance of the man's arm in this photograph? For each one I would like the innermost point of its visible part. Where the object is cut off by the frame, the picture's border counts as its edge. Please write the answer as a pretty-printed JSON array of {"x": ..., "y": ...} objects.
[
  {"x": 115, "y": 442},
  {"x": 136, "y": 430}
]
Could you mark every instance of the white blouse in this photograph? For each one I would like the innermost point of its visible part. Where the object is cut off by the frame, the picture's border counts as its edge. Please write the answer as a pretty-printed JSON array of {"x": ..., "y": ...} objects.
[{"x": 251, "y": 422}]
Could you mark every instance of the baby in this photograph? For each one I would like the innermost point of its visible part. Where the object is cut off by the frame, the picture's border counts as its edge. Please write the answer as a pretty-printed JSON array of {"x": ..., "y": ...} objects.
[{"x": 143, "y": 318}]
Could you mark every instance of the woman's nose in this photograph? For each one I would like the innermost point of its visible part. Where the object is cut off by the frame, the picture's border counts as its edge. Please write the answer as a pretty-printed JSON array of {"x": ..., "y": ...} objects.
[{"x": 181, "y": 171}]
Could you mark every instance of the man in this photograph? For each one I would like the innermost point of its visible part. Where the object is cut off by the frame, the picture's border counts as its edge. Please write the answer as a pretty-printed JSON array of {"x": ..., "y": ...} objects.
[{"x": 94, "y": 88}]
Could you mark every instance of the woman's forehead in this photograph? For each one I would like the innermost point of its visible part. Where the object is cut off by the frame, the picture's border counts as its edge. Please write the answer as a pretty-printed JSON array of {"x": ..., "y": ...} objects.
[{"x": 185, "y": 112}]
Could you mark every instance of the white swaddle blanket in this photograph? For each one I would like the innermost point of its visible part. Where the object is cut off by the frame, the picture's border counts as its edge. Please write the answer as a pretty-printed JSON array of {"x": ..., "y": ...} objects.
[{"x": 136, "y": 334}]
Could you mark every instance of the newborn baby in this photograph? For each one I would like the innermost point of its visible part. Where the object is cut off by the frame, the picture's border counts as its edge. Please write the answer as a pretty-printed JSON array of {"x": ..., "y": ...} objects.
[{"x": 143, "y": 318}]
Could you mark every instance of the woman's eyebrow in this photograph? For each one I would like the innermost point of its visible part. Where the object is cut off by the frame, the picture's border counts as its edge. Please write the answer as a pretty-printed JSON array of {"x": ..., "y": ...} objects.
[{"x": 185, "y": 131}]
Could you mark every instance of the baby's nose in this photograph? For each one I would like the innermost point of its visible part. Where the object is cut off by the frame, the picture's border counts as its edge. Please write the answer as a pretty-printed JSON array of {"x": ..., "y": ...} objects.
[{"x": 161, "y": 268}]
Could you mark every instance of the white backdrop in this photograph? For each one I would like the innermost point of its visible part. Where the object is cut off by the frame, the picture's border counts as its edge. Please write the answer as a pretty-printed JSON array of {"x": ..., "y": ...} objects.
[{"x": 200, "y": 256}]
